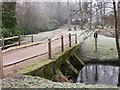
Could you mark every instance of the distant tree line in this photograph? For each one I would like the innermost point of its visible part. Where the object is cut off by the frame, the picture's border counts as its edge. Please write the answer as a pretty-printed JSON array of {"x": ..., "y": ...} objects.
[{"x": 30, "y": 17}]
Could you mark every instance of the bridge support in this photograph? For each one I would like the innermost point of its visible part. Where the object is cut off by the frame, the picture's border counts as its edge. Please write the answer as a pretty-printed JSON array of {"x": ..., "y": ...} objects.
[
  {"x": 49, "y": 48},
  {"x": 1, "y": 64}
]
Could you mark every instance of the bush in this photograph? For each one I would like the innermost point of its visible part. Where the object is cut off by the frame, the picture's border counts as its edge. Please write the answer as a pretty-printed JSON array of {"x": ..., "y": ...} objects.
[
  {"x": 6, "y": 32},
  {"x": 11, "y": 32},
  {"x": 53, "y": 25},
  {"x": 18, "y": 31}
]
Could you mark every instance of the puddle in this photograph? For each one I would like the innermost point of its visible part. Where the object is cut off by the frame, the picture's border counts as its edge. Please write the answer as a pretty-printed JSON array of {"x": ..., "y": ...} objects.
[{"x": 99, "y": 74}]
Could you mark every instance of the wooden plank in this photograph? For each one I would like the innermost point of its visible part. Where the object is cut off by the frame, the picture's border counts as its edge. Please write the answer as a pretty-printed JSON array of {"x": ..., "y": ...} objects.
[
  {"x": 49, "y": 48},
  {"x": 32, "y": 38},
  {"x": 76, "y": 38},
  {"x": 72, "y": 34},
  {"x": 27, "y": 35},
  {"x": 10, "y": 45},
  {"x": 54, "y": 39},
  {"x": 62, "y": 43},
  {"x": 3, "y": 43},
  {"x": 79, "y": 59},
  {"x": 19, "y": 39},
  {"x": 1, "y": 64},
  {"x": 10, "y": 38},
  {"x": 69, "y": 39},
  {"x": 24, "y": 60}
]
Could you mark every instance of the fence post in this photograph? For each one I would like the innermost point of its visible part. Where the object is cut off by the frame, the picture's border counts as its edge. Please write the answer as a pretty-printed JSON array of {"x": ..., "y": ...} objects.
[
  {"x": 3, "y": 43},
  {"x": 69, "y": 39},
  {"x": 19, "y": 40},
  {"x": 49, "y": 48},
  {"x": 1, "y": 64},
  {"x": 62, "y": 43},
  {"x": 75, "y": 38},
  {"x": 32, "y": 38}
]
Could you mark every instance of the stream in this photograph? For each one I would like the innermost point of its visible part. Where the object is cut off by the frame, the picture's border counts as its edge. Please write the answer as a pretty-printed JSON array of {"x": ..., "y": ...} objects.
[{"x": 99, "y": 74}]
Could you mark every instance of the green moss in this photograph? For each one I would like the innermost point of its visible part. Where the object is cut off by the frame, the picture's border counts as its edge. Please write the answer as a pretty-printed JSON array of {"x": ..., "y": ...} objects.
[
  {"x": 50, "y": 67},
  {"x": 34, "y": 66}
]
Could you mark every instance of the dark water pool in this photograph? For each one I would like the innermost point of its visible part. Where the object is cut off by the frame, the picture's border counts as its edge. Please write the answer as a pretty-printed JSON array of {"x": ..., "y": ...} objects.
[{"x": 99, "y": 74}]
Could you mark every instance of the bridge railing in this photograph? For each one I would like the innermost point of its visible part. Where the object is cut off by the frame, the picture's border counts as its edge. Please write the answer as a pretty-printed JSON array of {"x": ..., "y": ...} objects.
[
  {"x": 17, "y": 41},
  {"x": 54, "y": 45},
  {"x": 60, "y": 43},
  {"x": 1, "y": 65}
]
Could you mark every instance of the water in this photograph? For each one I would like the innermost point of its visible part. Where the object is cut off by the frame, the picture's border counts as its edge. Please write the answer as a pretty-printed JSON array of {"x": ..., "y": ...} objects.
[{"x": 99, "y": 74}]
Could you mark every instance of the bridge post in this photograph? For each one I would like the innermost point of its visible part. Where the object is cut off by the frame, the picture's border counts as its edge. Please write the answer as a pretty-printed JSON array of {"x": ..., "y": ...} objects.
[
  {"x": 19, "y": 40},
  {"x": 49, "y": 48},
  {"x": 69, "y": 39},
  {"x": 62, "y": 43},
  {"x": 3, "y": 43},
  {"x": 75, "y": 38},
  {"x": 1, "y": 64},
  {"x": 32, "y": 38}
]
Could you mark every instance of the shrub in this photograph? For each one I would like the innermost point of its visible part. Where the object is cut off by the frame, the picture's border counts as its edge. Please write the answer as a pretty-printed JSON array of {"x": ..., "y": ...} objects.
[
  {"x": 6, "y": 32},
  {"x": 52, "y": 25}
]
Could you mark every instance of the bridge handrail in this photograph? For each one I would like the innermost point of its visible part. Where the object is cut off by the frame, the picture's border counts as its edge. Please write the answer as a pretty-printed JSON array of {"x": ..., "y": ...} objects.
[
  {"x": 19, "y": 41},
  {"x": 49, "y": 51},
  {"x": 2, "y": 40}
]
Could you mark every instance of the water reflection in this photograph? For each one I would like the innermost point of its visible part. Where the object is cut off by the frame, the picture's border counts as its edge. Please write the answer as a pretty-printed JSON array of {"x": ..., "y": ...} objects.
[{"x": 100, "y": 74}]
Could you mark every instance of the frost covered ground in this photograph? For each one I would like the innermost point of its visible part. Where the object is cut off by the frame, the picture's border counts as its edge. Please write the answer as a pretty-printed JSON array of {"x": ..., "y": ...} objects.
[
  {"x": 106, "y": 50},
  {"x": 21, "y": 81}
]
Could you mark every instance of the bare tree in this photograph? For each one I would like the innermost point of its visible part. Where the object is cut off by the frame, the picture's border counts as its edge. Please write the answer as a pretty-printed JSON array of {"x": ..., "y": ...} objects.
[
  {"x": 90, "y": 24},
  {"x": 104, "y": 14},
  {"x": 116, "y": 30},
  {"x": 119, "y": 18},
  {"x": 69, "y": 16}
]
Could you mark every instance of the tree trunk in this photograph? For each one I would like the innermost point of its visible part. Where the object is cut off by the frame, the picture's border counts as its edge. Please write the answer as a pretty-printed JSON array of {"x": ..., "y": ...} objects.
[
  {"x": 90, "y": 27},
  {"x": 104, "y": 14},
  {"x": 101, "y": 14},
  {"x": 119, "y": 18},
  {"x": 69, "y": 16},
  {"x": 116, "y": 30},
  {"x": 81, "y": 15}
]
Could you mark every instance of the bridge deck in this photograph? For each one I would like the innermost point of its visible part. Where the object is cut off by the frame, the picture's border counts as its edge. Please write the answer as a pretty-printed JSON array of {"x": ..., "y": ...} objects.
[{"x": 13, "y": 60}]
